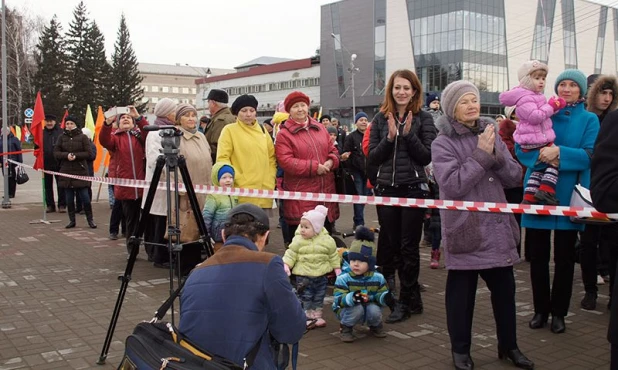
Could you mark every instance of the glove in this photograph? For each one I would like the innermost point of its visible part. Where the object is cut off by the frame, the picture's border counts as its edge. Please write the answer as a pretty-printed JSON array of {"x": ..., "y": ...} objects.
[
  {"x": 337, "y": 272},
  {"x": 557, "y": 103},
  {"x": 287, "y": 269},
  {"x": 360, "y": 297},
  {"x": 389, "y": 300}
]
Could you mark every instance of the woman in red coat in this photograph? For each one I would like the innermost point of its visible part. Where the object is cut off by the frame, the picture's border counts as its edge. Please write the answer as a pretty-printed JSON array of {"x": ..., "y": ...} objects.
[{"x": 307, "y": 156}]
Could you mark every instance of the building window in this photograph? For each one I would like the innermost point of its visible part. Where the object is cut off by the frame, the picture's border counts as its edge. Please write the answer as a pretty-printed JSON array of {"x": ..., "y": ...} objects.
[
  {"x": 616, "y": 36},
  {"x": 155, "y": 89},
  {"x": 193, "y": 101},
  {"x": 155, "y": 100},
  {"x": 175, "y": 90},
  {"x": 544, "y": 25},
  {"x": 379, "y": 37},
  {"x": 334, "y": 14},
  {"x": 145, "y": 88},
  {"x": 570, "y": 43},
  {"x": 598, "y": 61},
  {"x": 185, "y": 90},
  {"x": 165, "y": 89},
  {"x": 193, "y": 91}
]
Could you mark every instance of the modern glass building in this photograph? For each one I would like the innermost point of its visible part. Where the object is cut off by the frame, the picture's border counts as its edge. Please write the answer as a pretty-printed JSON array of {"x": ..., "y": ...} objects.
[{"x": 482, "y": 41}]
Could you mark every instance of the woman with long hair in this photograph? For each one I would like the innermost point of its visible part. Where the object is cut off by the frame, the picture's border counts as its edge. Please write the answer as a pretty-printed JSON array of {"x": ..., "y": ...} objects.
[{"x": 400, "y": 145}]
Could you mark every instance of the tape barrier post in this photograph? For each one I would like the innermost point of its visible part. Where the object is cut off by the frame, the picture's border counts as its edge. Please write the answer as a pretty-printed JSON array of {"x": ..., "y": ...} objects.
[{"x": 455, "y": 205}]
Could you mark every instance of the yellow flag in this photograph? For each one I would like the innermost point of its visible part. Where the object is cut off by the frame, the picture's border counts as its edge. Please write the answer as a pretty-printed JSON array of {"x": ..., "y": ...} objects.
[{"x": 89, "y": 120}]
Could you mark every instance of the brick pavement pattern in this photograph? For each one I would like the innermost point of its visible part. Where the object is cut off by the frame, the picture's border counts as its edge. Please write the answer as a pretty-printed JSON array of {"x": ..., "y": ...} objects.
[{"x": 58, "y": 288}]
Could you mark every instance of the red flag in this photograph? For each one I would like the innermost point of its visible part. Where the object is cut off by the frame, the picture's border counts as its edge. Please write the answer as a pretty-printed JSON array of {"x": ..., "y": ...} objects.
[
  {"x": 37, "y": 131},
  {"x": 66, "y": 114},
  {"x": 24, "y": 133}
]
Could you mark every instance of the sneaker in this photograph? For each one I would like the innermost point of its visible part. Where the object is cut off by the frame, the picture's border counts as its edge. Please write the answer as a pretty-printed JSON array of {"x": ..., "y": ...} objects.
[
  {"x": 378, "y": 331},
  {"x": 600, "y": 280},
  {"x": 346, "y": 334},
  {"x": 319, "y": 321},
  {"x": 589, "y": 302},
  {"x": 113, "y": 236}
]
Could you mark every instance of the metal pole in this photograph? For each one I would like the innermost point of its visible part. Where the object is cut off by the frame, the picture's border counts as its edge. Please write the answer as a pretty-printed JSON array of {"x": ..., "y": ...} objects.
[
  {"x": 353, "y": 71},
  {"x": 6, "y": 202}
]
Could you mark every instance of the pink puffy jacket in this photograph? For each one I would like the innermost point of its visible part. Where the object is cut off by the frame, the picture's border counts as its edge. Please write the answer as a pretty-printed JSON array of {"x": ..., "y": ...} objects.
[{"x": 535, "y": 126}]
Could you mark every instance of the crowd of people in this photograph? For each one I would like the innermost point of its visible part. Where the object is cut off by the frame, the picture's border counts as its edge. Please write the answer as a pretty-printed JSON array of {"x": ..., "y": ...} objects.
[{"x": 416, "y": 146}]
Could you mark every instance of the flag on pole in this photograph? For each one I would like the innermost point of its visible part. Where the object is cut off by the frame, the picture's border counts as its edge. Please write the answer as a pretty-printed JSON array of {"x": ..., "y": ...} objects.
[
  {"x": 66, "y": 114},
  {"x": 320, "y": 114},
  {"x": 25, "y": 133},
  {"x": 89, "y": 122},
  {"x": 18, "y": 133},
  {"x": 37, "y": 131},
  {"x": 97, "y": 130}
]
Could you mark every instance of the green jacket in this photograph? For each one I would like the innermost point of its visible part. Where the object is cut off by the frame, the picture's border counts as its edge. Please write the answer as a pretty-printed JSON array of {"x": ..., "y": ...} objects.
[
  {"x": 312, "y": 257},
  {"x": 218, "y": 121},
  {"x": 216, "y": 207}
]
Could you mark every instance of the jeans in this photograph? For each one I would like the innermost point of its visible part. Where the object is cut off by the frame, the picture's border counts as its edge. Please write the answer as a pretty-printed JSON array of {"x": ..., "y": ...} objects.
[
  {"x": 312, "y": 291},
  {"x": 359, "y": 314},
  {"x": 285, "y": 230},
  {"x": 116, "y": 219},
  {"x": 360, "y": 183},
  {"x": 71, "y": 193},
  {"x": 436, "y": 237}
]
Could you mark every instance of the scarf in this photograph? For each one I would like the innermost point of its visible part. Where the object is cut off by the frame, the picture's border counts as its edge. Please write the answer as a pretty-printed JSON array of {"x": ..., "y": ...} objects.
[
  {"x": 578, "y": 101},
  {"x": 163, "y": 121}
]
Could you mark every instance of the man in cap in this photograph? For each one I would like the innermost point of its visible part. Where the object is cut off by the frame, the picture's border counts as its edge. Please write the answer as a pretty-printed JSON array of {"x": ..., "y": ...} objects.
[
  {"x": 51, "y": 133},
  {"x": 231, "y": 322},
  {"x": 220, "y": 117}
]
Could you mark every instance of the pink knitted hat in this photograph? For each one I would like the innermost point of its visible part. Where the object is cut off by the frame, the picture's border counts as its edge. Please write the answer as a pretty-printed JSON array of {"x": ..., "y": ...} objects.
[{"x": 317, "y": 217}]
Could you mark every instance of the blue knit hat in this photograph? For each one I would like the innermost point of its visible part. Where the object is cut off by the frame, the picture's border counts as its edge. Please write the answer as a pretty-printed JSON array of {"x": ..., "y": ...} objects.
[
  {"x": 225, "y": 169},
  {"x": 430, "y": 98},
  {"x": 574, "y": 75},
  {"x": 360, "y": 115}
]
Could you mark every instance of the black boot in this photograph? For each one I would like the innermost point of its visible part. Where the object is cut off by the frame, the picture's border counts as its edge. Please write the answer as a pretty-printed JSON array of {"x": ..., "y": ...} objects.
[
  {"x": 557, "y": 324},
  {"x": 88, "y": 211},
  {"x": 401, "y": 313},
  {"x": 71, "y": 223},
  {"x": 518, "y": 358},
  {"x": 462, "y": 361},
  {"x": 590, "y": 301},
  {"x": 538, "y": 321}
]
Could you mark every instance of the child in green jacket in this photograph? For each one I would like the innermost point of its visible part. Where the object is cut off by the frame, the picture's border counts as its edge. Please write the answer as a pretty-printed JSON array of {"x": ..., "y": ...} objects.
[
  {"x": 311, "y": 256},
  {"x": 217, "y": 206}
]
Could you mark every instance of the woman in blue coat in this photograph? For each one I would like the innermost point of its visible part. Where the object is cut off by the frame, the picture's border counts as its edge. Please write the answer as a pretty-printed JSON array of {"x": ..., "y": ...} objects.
[{"x": 576, "y": 131}]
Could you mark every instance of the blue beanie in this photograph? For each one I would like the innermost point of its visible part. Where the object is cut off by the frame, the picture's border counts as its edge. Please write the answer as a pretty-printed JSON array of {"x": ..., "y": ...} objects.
[
  {"x": 360, "y": 115},
  {"x": 574, "y": 75},
  {"x": 226, "y": 168},
  {"x": 430, "y": 98}
]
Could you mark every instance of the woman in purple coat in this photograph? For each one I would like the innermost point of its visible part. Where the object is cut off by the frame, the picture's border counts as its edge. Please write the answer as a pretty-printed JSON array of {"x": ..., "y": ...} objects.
[{"x": 472, "y": 163}]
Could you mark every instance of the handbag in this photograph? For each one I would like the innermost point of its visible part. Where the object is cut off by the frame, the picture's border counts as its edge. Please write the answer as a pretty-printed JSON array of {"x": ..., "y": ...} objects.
[
  {"x": 344, "y": 182},
  {"x": 21, "y": 177},
  {"x": 189, "y": 232},
  {"x": 159, "y": 345},
  {"x": 580, "y": 197}
]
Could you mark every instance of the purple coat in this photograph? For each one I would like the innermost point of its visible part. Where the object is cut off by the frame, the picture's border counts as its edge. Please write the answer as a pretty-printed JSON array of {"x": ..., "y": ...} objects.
[
  {"x": 535, "y": 126},
  {"x": 474, "y": 240}
]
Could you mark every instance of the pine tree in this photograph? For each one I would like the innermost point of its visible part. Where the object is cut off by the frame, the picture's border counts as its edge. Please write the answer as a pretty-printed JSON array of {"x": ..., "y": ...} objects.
[
  {"x": 51, "y": 68},
  {"x": 80, "y": 91},
  {"x": 126, "y": 79},
  {"x": 98, "y": 69}
]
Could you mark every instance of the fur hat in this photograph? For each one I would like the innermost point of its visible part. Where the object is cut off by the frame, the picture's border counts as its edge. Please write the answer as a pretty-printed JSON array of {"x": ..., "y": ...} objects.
[
  {"x": 526, "y": 69},
  {"x": 244, "y": 101},
  {"x": 363, "y": 248},
  {"x": 316, "y": 217},
  {"x": 431, "y": 97},
  {"x": 164, "y": 107},
  {"x": 603, "y": 82},
  {"x": 218, "y": 96},
  {"x": 183, "y": 109},
  {"x": 453, "y": 92},
  {"x": 576, "y": 76},
  {"x": 295, "y": 97}
]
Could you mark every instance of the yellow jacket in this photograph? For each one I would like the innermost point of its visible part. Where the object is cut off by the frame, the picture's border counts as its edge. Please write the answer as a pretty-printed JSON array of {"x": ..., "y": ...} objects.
[{"x": 250, "y": 150}]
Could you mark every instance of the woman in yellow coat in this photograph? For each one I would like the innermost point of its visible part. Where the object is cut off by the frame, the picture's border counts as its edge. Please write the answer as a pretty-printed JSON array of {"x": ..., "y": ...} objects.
[{"x": 248, "y": 147}]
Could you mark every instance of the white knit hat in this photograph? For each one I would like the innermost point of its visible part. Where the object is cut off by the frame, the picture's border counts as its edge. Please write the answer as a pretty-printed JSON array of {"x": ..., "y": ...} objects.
[{"x": 316, "y": 217}]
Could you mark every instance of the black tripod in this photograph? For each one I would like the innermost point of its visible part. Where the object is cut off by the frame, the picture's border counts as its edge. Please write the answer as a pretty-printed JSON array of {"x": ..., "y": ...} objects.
[{"x": 173, "y": 162}]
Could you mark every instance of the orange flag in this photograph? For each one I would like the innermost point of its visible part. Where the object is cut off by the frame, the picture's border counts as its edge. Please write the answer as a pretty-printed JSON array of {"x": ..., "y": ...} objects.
[
  {"x": 97, "y": 129},
  {"x": 36, "y": 129}
]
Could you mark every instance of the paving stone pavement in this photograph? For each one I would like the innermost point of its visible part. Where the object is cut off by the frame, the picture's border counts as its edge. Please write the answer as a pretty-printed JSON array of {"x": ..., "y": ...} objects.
[{"x": 58, "y": 288}]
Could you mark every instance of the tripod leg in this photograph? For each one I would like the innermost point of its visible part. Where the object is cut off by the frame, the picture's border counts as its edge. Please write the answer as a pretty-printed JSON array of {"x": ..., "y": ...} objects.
[
  {"x": 199, "y": 218},
  {"x": 134, "y": 243}
]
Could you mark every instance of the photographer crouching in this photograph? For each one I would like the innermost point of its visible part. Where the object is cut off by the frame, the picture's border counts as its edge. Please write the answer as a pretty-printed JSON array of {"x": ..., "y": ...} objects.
[{"x": 241, "y": 295}]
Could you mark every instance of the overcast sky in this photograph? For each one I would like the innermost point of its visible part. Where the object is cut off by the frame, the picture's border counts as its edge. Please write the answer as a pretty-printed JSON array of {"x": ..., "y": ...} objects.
[{"x": 204, "y": 33}]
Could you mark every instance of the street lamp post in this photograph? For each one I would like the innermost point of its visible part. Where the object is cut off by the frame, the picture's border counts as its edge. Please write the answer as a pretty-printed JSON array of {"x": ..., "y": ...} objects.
[
  {"x": 352, "y": 69},
  {"x": 6, "y": 201}
]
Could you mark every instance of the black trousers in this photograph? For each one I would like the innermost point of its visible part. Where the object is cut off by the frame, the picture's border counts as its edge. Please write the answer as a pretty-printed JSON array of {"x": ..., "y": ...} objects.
[
  {"x": 555, "y": 300},
  {"x": 155, "y": 234},
  {"x": 404, "y": 227},
  {"x": 12, "y": 182},
  {"x": 460, "y": 300},
  {"x": 516, "y": 195},
  {"x": 116, "y": 219},
  {"x": 596, "y": 248},
  {"x": 49, "y": 192},
  {"x": 131, "y": 210}
]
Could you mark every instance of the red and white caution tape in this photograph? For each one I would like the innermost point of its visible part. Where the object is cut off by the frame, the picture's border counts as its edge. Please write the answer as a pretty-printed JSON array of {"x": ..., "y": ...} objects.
[{"x": 456, "y": 205}]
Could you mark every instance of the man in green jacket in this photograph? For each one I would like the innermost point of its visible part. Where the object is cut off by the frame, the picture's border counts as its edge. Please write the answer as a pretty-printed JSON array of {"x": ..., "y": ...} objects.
[{"x": 220, "y": 117}]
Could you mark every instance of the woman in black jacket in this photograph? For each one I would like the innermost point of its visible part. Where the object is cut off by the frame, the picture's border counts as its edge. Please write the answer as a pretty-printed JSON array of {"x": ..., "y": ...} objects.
[
  {"x": 400, "y": 145},
  {"x": 72, "y": 150},
  {"x": 13, "y": 146}
]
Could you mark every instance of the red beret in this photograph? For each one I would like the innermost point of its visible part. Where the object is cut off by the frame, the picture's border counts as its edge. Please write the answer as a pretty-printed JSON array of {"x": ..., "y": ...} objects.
[{"x": 293, "y": 98}]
